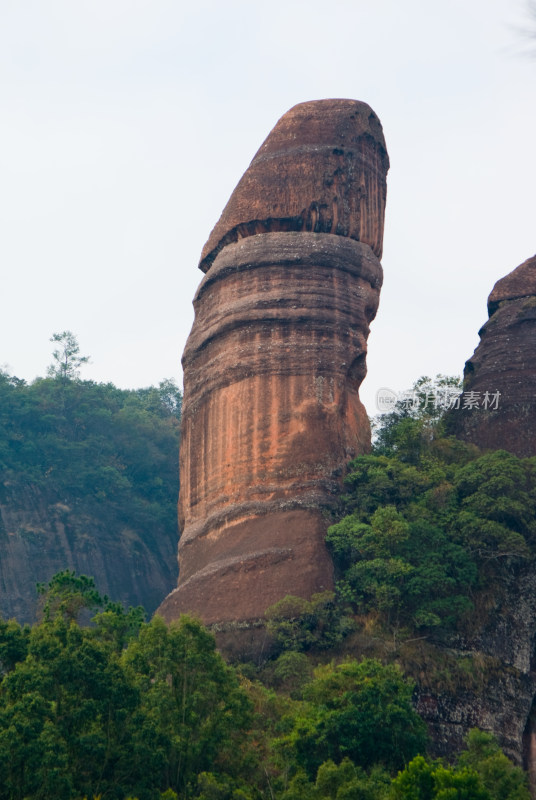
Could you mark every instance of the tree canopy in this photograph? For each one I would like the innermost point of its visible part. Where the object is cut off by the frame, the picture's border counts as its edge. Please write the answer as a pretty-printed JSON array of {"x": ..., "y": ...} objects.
[{"x": 429, "y": 520}]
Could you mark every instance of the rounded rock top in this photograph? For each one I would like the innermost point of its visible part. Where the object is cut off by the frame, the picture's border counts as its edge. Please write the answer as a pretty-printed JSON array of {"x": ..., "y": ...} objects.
[
  {"x": 521, "y": 282},
  {"x": 322, "y": 168}
]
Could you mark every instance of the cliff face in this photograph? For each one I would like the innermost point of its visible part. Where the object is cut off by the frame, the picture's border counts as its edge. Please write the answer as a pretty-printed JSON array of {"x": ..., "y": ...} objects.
[
  {"x": 273, "y": 364},
  {"x": 501, "y": 374},
  {"x": 41, "y": 535},
  {"x": 501, "y": 698},
  {"x": 504, "y": 366}
]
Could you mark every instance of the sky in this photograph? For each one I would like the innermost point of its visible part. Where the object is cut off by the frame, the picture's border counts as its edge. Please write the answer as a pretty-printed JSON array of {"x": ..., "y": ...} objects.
[{"x": 126, "y": 124}]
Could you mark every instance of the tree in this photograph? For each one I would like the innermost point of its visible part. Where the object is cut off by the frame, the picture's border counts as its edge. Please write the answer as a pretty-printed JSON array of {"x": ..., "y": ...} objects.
[
  {"x": 496, "y": 498},
  {"x": 416, "y": 417},
  {"x": 344, "y": 781},
  {"x": 13, "y": 644},
  {"x": 502, "y": 779},
  {"x": 410, "y": 573},
  {"x": 482, "y": 772},
  {"x": 299, "y": 624},
  {"x": 426, "y": 525},
  {"x": 71, "y": 722},
  {"x": 67, "y": 361},
  {"x": 356, "y": 710},
  {"x": 67, "y": 594},
  {"x": 424, "y": 780},
  {"x": 194, "y": 699}
]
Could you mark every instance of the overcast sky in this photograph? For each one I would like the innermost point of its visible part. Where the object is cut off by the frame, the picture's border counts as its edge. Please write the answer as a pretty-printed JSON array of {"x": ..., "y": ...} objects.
[{"x": 126, "y": 124}]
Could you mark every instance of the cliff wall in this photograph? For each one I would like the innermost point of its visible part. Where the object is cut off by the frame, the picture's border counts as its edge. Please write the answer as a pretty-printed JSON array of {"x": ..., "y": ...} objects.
[{"x": 41, "y": 534}]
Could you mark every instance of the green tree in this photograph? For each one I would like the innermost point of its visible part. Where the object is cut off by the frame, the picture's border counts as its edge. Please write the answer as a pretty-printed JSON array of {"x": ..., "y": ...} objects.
[
  {"x": 299, "y": 624},
  {"x": 404, "y": 568},
  {"x": 502, "y": 779},
  {"x": 356, "y": 710},
  {"x": 13, "y": 644},
  {"x": 67, "y": 593},
  {"x": 497, "y": 507},
  {"x": 342, "y": 781},
  {"x": 406, "y": 431},
  {"x": 67, "y": 361},
  {"x": 71, "y": 723},
  {"x": 422, "y": 533},
  {"x": 424, "y": 780},
  {"x": 118, "y": 627},
  {"x": 194, "y": 699}
]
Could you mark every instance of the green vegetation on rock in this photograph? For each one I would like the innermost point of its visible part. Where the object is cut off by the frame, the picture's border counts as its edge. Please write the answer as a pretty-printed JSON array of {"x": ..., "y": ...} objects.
[{"x": 429, "y": 522}]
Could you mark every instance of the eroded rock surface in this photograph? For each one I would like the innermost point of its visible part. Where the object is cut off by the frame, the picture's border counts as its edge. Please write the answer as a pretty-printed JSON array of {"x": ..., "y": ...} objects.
[
  {"x": 498, "y": 694},
  {"x": 321, "y": 169},
  {"x": 41, "y": 534},
  {"x": 273, "y": 364},
  {"x": 504, "y": 365}
]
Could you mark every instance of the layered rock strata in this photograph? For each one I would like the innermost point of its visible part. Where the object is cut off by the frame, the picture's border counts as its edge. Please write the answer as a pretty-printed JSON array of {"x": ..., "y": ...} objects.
[
  {"x": 503, "y": 366},
  {"x": 273, "y": 364},
  {"x": 321, "y": 169}
]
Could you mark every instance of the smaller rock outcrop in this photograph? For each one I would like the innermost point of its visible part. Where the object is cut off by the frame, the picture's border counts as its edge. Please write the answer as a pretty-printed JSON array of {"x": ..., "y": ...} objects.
[{"x": 498, "y": 408}]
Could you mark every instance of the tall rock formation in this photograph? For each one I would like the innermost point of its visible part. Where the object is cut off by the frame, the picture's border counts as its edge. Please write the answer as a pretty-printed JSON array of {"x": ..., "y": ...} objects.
[
  {"x": 274, "y": 361},
  {"x": 503, "y": 366}
]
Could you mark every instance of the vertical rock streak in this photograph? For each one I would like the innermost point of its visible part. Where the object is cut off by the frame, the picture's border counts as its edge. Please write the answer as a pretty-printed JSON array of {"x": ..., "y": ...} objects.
[{"x": 274, "y": 361}]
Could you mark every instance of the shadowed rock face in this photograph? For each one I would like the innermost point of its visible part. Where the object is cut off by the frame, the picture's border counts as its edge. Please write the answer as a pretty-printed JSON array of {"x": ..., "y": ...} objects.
[
  {"x": 505, "y": 362},
  {"x": 273, "y": 365}
]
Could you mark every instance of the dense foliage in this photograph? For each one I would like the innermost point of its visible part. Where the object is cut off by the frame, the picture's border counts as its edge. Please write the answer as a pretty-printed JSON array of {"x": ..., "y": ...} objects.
[
  {"x": 124, "y": 708},
  {"x": 429, "y": 521},
  {"x": 361, "y": 711},
  {"x": 121, "y": 707},
  {"x": 93, "y": 442}
]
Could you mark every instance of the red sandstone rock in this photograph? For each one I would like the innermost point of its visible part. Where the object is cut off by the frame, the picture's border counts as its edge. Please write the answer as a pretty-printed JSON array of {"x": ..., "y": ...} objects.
[
  {"x": 519, "y": 283},
  {"x": 504, "y": 362},
  {"x": 272, "y": 370},
  {"x": 321, "y": 169}
]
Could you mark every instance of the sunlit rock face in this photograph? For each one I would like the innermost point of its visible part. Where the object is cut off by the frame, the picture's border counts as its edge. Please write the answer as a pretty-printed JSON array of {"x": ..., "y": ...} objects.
[
  {"x": 503, "y": 366},
  {"x": 274, "y": 361},
  {"x": 321, "y": 169}
]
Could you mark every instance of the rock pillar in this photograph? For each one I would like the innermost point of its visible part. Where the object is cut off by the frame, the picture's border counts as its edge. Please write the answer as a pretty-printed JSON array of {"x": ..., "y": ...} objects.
[{"x": 273, "y": 364}]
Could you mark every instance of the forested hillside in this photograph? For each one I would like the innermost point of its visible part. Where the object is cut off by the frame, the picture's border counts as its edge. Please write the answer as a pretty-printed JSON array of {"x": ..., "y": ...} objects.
[
  {"x": 132, "y": 709},
  {"x": 434, "y": 552},
  {"x": 88, "y": 481}
]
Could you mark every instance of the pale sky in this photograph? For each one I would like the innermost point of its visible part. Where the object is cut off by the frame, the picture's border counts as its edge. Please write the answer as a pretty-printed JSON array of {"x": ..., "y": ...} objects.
[{"x": 126, "y": 124}]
